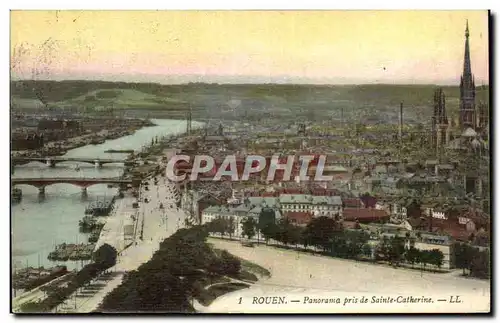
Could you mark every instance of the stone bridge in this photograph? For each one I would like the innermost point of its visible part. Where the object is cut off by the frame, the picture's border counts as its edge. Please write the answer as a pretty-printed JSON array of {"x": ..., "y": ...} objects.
[
  {"x": 82, "y": 182},
  {"x": 52, "y": 161}
]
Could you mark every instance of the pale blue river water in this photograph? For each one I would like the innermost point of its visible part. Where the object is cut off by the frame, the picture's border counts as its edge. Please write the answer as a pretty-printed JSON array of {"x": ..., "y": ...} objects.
[{"x": 37, "y": 226}]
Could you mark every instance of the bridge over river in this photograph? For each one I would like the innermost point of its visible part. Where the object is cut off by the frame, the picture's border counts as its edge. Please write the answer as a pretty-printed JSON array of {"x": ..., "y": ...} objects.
[
  {"x": 82, "y": 182},
  {"x": 52, "y": 161}
]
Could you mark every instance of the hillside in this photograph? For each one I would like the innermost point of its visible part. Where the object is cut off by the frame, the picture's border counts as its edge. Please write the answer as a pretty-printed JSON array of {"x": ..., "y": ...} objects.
[
  {"x": 219, "y": 100},
  {"x": 121, "y": 98}
]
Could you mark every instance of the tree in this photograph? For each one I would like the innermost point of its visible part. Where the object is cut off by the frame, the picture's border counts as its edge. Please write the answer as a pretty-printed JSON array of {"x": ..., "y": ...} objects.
[
  {"x": 269, "y": 231},
  {"x": 391, "y": 249},
  {"x": 480, "y": 266},
  {"x": 397, "y": 249},
  {"x": 436, "y": 257},
  {"x": 105, "y": 256},
  {"x": 267, "y": 215},
  {"x": 213, "y": 268},
  {"x": 230, "y": 264},
  {"x": 320, "y": 231},
  {"x": 463, "y": 255},
  {"x": 267, "y": 218},
  {"x": 407, "y": 236},
  {"x": 294, "y": 234},
  {"x": 339, "y": 245},
  {"x": 355, "y": 242},
  {"x": 230, "y": 226},
  {"x": 425, "y": 258},
  {"x": 283, "y": 231},
  {"x": 367, "y": 250},
  {"x": 248, "y": 227},
  {"x": 218, "y": 225},
  {"x": 382, "y": 251},
  {"x": 412, "y": 255}
]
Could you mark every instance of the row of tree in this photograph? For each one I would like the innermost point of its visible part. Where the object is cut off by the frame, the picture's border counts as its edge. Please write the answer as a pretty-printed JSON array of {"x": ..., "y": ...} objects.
[
  {"x": 103, "y": 259},
  {"x": 222, "y": 226},
  {"x": 176, "y": 273},
  {"x": 395, "y": 250},
  {"x": 328, "y": 235}
]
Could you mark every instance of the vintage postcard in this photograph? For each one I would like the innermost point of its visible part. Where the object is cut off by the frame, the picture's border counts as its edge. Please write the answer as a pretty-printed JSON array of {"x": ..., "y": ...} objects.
[{"x": 250, "y": 162}]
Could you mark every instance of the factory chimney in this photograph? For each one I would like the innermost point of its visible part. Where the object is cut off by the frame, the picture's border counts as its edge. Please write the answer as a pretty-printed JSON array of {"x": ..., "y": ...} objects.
[
  {"x": 188, "y": 122},
  {"x": 401, "y": 121}
]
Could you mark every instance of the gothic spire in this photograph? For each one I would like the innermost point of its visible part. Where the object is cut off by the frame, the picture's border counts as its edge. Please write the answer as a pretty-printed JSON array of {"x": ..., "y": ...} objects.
[
  {"x": 467, "y": 68},
  {"x": 467, "y": 88}
]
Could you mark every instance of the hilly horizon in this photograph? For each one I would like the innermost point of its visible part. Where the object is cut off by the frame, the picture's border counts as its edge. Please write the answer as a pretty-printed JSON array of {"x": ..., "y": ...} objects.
[
  {"x": 242, "y": 79},
  {"x": 360, "y": 102}
]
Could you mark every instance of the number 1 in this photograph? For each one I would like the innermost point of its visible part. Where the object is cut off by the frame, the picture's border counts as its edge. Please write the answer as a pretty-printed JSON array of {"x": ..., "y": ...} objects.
[{"x": 239, "y": 302}]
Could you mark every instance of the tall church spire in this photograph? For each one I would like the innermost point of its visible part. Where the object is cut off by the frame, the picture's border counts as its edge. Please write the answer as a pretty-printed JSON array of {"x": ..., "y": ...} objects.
[
  {"x": 467, "y": 69},
  {"x": 467, "y": 89}
]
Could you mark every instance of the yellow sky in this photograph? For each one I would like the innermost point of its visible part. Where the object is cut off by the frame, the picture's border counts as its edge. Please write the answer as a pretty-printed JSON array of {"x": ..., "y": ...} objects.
[{"x": 371, "y": 46}]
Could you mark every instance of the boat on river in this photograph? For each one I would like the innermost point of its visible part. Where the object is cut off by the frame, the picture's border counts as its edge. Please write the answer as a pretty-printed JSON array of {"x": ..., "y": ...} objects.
[
  {"x": 119, "y": 151},
  {"x": 16, "y": 195},
  {"x": 97, "y": 141}
]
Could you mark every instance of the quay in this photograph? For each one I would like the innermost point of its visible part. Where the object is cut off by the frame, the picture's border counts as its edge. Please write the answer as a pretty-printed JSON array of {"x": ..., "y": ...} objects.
[{"x": 29, "y": 278}]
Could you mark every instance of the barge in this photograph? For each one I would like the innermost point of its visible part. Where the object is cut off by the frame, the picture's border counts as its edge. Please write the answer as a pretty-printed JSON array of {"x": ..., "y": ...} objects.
[
  {"x": 100, "y": 208},
  {"x": 65, "y": 252},
  {"x": 29, "y": 278},
  {"x": 16, "y": 195},
  {"x": 119, "y": 151}
]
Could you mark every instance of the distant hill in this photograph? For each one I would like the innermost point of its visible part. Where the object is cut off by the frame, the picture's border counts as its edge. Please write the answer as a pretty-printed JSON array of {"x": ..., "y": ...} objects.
[
  {"x": 276, "y": 99},
  {"x": 121, "y": 98}
]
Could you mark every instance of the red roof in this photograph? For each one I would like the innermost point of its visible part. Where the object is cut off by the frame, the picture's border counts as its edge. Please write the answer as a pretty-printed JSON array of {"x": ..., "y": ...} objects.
[
  {"x": 453, "y": 228},
  {"x": 352, "y": 202},
  {"x": 319, "y": 191},
  {"x": 299, "y": 217},
  {"x": 333, "y": 192},
  {"x": 479, "y": 218},
  {"x": 291, "y": 191},
  {"x": 449, "y": 226},
  {"x": 364, "y": 215},
  {"x": 458, "y": 234}
]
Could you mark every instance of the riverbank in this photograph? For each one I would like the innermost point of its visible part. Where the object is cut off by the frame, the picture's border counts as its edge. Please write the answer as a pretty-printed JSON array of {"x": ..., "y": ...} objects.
[
  {"x": 154, "y": 224},
  {"x": 60, "y": 147},
  {"x": 39, "y": 226},
  {"x": 56, "y": 219}
]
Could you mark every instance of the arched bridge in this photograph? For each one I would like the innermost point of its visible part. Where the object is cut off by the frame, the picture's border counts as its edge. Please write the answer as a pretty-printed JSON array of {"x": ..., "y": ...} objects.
[
  {"x": 52, "y": 161},
  {"x": 41, "y": 183}
]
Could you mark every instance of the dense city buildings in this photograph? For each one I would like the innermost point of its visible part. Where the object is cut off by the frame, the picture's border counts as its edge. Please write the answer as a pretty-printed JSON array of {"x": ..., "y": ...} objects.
[{"x": 428, "y": 194}]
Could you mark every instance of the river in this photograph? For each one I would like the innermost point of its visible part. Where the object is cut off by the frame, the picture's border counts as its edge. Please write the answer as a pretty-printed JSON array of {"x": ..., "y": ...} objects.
[{"x": 38, "y": 226}]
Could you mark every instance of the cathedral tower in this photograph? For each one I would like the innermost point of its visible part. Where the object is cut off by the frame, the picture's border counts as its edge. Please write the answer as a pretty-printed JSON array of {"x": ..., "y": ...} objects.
[
  {"x": 440, "y": 136},
  {"x": 483, "y": 118},
  {"x": 467, "y": 89}
]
